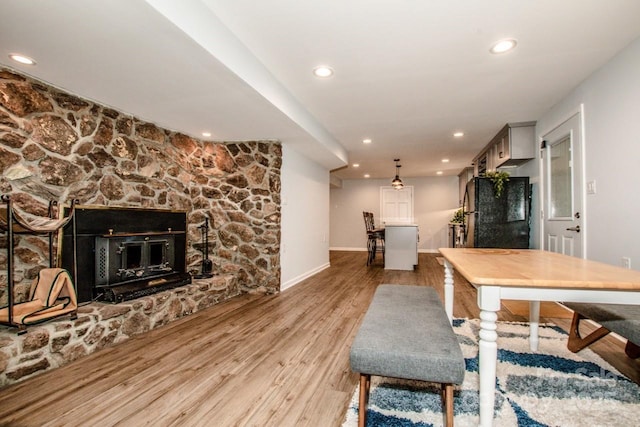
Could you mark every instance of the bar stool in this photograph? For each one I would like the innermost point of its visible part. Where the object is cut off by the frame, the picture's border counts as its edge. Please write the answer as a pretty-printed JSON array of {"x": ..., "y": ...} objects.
[{"x": 375, "y": 238}]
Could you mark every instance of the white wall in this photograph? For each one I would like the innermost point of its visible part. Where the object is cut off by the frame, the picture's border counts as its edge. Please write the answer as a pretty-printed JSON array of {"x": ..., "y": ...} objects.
[
  {"x": 611, "y": 98},
  {"x": 435, "y": 201},
  {"x": 304, "y": 247}
]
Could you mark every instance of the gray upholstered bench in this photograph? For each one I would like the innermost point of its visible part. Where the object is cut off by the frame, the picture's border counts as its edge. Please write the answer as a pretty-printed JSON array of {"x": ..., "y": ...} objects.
[
  {"x": 622, "y": 319},
  {"x": 406, "y": 334}
]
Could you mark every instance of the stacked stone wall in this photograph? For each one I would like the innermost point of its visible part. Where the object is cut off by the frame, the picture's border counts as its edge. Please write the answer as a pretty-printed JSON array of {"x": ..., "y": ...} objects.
[
  {"x": 60, "y": 147},
  {"x": 55, "y": 146}
]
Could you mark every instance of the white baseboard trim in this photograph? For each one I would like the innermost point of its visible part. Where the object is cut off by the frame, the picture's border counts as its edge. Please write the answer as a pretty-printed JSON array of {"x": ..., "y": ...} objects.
[
  {"x": 290, "y": 283},
  {"x": 348, "y": 249},
  {"x": 422, "y": 251}
]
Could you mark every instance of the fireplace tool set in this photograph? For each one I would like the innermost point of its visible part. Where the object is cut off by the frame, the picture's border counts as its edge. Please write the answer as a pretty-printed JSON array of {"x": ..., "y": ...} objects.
[{"x": 207, "y": 264}]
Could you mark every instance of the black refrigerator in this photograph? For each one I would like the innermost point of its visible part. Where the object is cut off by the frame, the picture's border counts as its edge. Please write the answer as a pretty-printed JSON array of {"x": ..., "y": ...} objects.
[{"x": 497, "y": 222}]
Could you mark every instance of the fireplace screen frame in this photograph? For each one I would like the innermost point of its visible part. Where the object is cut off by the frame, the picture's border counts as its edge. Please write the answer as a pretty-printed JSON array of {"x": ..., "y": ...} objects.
[
  {"x": 93, "y": 221},
  {"x": 117, "y": 263}
]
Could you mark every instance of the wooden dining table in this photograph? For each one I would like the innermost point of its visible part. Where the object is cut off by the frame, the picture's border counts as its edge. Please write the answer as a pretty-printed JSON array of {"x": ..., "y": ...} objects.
[{"x": 534, "y": 276}]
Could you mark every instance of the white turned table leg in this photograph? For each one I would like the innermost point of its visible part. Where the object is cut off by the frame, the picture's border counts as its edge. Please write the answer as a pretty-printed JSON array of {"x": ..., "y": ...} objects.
[
  {"x": 534, "y": 319},
  {"x": 489, "y": 303},
  {"x": 448, "y": 290},
  {"x": 488, "y": 360}
]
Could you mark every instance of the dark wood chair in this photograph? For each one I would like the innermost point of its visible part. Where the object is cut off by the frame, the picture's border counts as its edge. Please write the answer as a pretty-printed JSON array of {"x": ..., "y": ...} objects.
[{"x": 375, "y": 238}]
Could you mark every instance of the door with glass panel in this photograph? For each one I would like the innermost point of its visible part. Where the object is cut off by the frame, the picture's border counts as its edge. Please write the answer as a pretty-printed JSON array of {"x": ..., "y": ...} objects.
[{"x": 563, "y": 189}]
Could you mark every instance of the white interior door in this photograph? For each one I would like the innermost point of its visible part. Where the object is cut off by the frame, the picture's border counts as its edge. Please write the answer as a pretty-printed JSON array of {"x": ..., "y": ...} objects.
[
  {"x": 564, "y": 215},
  {"x": 396, "y": 206}
]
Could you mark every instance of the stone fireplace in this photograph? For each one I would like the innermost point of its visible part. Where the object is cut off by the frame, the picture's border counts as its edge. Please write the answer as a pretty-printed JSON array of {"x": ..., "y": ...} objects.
[{"x": 58, "y": 146}]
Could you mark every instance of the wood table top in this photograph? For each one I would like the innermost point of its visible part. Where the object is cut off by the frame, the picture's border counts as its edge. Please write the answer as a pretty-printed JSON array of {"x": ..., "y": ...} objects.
[{"x": 537, "y": 268}]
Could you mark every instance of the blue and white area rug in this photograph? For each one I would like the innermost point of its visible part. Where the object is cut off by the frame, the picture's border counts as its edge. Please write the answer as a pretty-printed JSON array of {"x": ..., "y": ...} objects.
[{"x": 551, "y": 387}]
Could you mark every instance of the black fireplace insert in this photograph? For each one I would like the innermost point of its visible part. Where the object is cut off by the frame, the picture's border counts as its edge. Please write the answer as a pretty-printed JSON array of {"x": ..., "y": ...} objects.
[{"x": 125, "y": 253}]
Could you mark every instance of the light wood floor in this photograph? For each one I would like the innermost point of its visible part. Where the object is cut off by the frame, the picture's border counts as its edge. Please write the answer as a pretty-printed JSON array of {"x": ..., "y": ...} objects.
[{"x": 279, "y": 360}]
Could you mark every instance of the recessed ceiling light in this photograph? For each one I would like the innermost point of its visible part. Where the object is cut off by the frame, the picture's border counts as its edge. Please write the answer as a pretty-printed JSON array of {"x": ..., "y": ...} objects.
[
  {"x": 22, "y": 59},
  {"x": 366, "y": 175},
  {"x": 323, "y": 71},
  {"x": 206, "y": 134},
  {"x": 445, "y": 160},
  {"x": 439, "y": 173},
  {"x": 503, "y": 46},
  {"x": 356, "y": 165},
  {"x": 458, "y": 134},
  {"x": 366, "y": 141}
]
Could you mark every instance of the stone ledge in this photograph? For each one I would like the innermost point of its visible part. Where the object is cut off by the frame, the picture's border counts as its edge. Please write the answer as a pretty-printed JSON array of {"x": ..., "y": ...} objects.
[{"x": 61, "y": 341}]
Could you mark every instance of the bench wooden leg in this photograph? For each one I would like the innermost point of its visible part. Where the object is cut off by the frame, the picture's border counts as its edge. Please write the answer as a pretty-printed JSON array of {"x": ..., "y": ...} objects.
[
  {"x": 365, "y": 384},
  {"x": 632, "y": 350},
  {"x": 575, "y": 342},
  {"x": 447, "y": 403}
]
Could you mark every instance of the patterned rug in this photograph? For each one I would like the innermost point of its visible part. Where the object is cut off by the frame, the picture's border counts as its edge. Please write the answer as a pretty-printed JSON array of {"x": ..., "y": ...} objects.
[{"x": 552, "y": 387}]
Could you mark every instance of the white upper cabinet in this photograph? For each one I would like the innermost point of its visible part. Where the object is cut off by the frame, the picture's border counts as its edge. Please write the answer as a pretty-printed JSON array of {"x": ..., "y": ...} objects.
[{"x": 512, "y": 146}]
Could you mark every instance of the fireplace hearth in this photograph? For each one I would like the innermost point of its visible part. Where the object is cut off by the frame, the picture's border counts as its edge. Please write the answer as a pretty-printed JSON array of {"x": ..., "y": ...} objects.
[{"x": 126, "y": 253}]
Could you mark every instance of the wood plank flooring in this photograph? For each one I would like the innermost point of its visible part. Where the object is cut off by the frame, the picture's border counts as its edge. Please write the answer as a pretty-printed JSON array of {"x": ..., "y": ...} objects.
[{"x": 279, "y": 360}]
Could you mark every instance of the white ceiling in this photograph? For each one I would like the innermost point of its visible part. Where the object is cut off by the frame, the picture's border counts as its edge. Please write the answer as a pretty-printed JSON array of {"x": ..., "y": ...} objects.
[{"x": 408, "y": 73}]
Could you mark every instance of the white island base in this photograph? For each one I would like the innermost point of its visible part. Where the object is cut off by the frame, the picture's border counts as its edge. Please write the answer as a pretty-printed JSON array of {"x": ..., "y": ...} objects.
[{"x": 400, "y": 246}]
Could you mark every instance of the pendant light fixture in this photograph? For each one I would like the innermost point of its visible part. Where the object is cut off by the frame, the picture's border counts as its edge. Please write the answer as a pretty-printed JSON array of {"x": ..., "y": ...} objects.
[{"x": 397, "y": 182}]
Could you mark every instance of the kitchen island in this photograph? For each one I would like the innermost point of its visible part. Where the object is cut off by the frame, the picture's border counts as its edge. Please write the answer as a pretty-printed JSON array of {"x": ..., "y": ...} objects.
[{"x": 401, "y": 246}]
